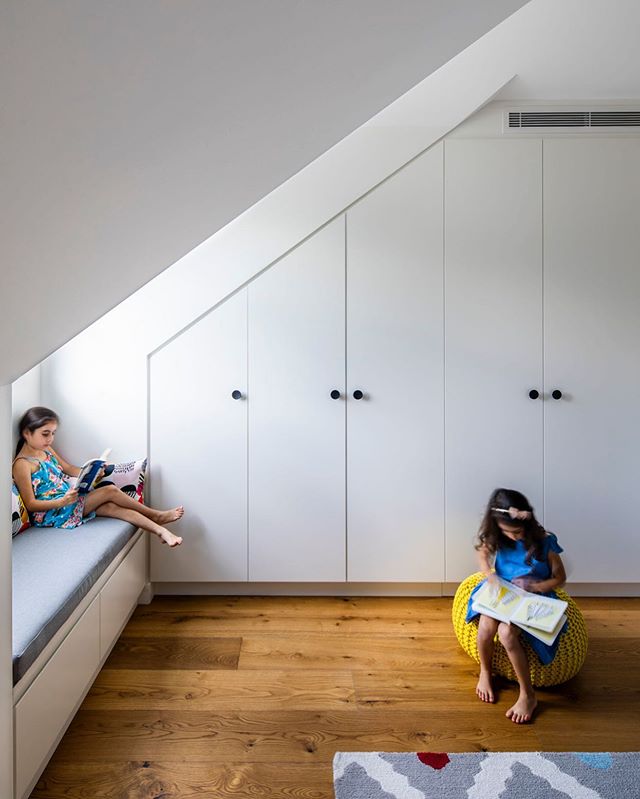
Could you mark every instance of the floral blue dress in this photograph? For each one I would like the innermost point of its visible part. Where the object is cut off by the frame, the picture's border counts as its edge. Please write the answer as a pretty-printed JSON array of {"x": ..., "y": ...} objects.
[
  {"x": 49, "y": 483},
  {"x": 511, "y": 563}
]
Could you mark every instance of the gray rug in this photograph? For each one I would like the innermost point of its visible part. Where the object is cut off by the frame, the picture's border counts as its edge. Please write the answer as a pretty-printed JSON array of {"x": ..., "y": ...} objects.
[{"x": 487, "y": 775}]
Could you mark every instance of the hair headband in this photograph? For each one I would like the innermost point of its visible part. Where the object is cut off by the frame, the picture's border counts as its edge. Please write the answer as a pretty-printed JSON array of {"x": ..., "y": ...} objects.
[{"x": 514, "y": 513}]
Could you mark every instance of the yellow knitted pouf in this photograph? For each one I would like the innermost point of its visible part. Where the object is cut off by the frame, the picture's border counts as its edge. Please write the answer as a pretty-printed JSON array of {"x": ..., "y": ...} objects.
[{"x": 571, "y": 653}]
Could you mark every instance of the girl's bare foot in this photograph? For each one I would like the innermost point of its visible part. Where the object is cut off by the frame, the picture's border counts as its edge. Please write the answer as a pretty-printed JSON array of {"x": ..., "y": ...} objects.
[
  {"x": 484, "y": 688},
  {"x": 171, "y": 515},
  {"x": 523, "y": 709},
  {"x": 167, "y": 537}
]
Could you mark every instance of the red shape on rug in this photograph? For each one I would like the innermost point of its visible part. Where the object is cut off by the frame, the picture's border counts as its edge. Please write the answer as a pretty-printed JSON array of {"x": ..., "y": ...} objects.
[{"x": 434, "y": 759}]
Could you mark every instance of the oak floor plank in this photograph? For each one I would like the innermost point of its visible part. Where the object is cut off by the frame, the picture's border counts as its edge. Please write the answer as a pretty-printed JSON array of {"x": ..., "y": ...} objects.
[
  {"x": 138, "y": 689},
  {"x": 172, "y": 653},
  {"x": 179, "y": 780},
  {"x": 194, "y": 624},
  {"x": 590, "y": 729},
  {"x": 395, "y": 652},
  {"x": 310, "y": 606}
]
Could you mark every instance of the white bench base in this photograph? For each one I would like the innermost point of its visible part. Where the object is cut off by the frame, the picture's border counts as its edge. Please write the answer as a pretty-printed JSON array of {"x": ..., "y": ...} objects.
[{"x": 49, "y": 694}]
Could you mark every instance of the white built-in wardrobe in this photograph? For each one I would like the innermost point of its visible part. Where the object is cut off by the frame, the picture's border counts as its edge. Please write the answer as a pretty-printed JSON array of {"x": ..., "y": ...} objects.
[{"x": 472, "y": 322}]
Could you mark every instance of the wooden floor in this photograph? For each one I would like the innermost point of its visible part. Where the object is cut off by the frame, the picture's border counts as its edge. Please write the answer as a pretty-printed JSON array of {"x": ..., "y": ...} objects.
[{"x": 251, "y": 696}]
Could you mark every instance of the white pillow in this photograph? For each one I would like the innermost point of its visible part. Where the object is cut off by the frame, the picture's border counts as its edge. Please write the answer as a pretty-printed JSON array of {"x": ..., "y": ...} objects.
[{"x": 128, "y": 477}]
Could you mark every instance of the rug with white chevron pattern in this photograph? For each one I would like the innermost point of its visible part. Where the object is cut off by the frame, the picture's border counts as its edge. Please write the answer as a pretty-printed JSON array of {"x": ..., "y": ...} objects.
[{"x": 487, "y": 775}]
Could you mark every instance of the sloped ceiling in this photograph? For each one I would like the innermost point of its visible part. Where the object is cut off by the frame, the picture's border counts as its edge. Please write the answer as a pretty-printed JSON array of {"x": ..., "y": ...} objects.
[{"x": 132, "y": 131}]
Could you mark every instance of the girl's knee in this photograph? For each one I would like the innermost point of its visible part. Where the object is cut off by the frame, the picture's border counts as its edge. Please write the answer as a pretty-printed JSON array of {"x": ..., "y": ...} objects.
[
  {"x": 487, "y": 625},
  {"x": 507, "y": 635},
  {"x": 485, "y": 634}
]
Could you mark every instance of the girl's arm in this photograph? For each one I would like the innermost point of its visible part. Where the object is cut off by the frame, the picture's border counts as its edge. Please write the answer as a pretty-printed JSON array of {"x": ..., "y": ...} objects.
[
  {"x": 68, "y": 468},
  {"x": 485, "y": 559},
  {"x": 22, "y": 477},
  {"x": 557, "y": 579}
]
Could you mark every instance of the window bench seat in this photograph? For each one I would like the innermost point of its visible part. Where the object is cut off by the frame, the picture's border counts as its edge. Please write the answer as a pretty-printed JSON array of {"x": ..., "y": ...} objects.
[{"x": 73, "y": 592}]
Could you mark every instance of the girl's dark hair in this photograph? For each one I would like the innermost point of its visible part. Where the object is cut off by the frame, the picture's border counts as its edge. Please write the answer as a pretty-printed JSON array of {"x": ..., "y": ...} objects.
[
  {"x": 491, "y": 536},
  {"x": 33, "y": 419}
]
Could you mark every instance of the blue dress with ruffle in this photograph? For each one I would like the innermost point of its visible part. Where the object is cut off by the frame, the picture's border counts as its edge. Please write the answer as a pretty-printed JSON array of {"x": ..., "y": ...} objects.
[{"x": 511, "y": 563}]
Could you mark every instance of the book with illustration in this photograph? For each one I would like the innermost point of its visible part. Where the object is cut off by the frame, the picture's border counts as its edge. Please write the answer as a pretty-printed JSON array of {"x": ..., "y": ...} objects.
[
  {"x": 541, "y": 616},
  {"x": 89, "y": 472}
]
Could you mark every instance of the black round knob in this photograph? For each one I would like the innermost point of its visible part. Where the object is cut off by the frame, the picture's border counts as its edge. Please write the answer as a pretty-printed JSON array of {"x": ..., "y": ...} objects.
[
  {"x": 236, "y": 394},
  {"x": 556, "y": 394},
  {"x": 534, "y": 394},
  {"x": 357, "y": 394},
  {"x": 335, "y": 394}
]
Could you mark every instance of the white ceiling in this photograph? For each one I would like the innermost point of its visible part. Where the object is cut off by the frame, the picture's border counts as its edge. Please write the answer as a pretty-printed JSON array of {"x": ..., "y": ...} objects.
[{"x": 131, "y": 131}]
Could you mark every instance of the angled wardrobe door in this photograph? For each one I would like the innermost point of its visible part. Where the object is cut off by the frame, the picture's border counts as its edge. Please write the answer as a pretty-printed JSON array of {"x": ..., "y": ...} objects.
[
  {"x": 493, "y": 332},
  {"x": 198, "y": 446},
  {"x": 296, "y": 427},
  {"x": 395, "y": 478},
  {"x": 592, "y": 330}
]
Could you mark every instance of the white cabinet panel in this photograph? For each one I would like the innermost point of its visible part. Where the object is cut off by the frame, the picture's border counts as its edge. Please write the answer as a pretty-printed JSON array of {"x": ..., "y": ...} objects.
[
  {"x": 592, "y": 330},
  {"x": 296, "y": 430},
  {"x": 395, "y": 477},
  {"x": 42, "y": 714},
  {"x": 493, "y": 335},
  {"x": 120, "y": 594},
  {"x": 198, "y": 453}
]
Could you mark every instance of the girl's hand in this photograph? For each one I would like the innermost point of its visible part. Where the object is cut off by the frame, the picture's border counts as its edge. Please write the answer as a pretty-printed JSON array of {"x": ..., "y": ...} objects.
[
  {"x": 522, "y": 515},
  {"x": 492, "y": 579},
  {"x": 527, "y": 584},
  {"x": 68, "y": 499}
]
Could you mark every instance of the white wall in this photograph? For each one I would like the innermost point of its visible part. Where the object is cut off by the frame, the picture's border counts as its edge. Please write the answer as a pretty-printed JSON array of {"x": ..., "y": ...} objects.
[
  {"x": 25, "y": 393},
  {"x": 6, "y": 670},
  {"x": 136, "y": 130}
]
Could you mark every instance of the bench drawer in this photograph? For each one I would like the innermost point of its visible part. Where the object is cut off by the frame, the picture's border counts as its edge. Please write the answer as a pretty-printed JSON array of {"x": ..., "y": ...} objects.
[
  {"x": 120, "y": 594},
  {"x": 41, "y": 715}
]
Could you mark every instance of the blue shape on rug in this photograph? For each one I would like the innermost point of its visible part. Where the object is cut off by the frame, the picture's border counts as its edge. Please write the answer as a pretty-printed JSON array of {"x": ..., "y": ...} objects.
[{"x": 596, "y": 759}]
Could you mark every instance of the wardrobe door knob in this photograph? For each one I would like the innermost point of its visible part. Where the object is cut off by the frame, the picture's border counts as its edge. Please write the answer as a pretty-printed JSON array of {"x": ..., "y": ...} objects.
[
  {"x": 556, "y": 393},
  {"x": 335, "y": 394},
  {"x": 357, "y": 394},
  {"x": 534, "y": 394},
  {"x": 236, "y": 394}
]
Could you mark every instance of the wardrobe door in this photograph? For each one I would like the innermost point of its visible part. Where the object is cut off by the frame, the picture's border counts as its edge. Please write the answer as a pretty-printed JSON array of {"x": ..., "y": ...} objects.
[
  {"x": 592, "y": 330},
  {"x": 198, "y": 446},
  {"x": 395, "y": 478},
  {"x": 296, "y": 428},
  {"x": 493, "y": 333}
]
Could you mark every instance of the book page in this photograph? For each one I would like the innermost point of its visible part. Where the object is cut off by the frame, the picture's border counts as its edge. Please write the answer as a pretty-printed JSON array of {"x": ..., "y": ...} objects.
[
  {"x": 541, "y": 635},
  {"x": 541, "y": 612},
  {"x": 502, "y": 599}
]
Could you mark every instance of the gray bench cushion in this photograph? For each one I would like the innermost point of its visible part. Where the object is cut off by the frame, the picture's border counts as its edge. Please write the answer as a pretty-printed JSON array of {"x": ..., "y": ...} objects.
[{"x": 53, "y": 569}]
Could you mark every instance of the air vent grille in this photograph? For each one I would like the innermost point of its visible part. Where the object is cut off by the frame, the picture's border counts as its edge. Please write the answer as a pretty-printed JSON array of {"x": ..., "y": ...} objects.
[{"x": 573, "y": 119}]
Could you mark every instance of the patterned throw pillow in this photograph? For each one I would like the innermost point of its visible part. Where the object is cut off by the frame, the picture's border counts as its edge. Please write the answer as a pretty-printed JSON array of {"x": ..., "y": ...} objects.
[
  {"x": 128, "y": 477},
  {"x": 19, "y": 513}
]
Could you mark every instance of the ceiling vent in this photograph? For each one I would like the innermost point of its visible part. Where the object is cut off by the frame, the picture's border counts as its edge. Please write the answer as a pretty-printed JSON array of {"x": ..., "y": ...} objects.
[{"x": 571, "y": 120}]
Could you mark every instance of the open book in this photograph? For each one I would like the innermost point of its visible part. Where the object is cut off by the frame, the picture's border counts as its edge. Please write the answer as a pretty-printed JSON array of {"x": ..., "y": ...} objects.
[
  {"x": 89, "y": 471},
  {"x": 541, "y": 616}
]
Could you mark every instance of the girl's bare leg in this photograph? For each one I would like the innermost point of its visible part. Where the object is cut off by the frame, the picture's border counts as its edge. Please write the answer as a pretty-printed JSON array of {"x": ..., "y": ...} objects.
[
  {"x": 486, "y": 633},
  {"x": 138, "y": 520},
  {"x": 523, "y": 709},
  {"x": 112, "y": 494}
]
